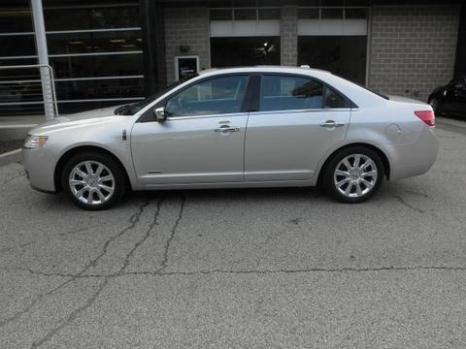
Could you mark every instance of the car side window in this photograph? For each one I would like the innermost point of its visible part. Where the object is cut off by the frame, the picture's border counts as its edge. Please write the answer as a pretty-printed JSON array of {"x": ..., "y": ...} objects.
[
  {"x": 295, "y": 92},
  {"x": 333, "y": 99},
  {"x": 290, "y": 92},
  {"x": 220, "y": 95}
]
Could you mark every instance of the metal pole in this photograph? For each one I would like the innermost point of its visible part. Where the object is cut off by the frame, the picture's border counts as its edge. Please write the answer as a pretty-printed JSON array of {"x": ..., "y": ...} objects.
[{"x": 42, "y": 53}]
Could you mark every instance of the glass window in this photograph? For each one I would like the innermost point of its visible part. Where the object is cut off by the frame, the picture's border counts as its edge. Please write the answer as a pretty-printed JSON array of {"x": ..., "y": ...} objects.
[
  {"x": 69, "y": 18},
  {"x": 269, "y": 13},
  {"x": 94, "y": 42},
  {"x": 333, "y": 2},
  {"x": 15, "y": 16},
  {"x": 333, "y": 99},
  {"x": 309, "y": 3},
  {"x": 289, "y": 92},
  {"x": 87, "y": 66},
  {"x": 245, "y": 14},
  {"x": 342, "y": 55},
  {"x": 92, "y": 89},
  {"x": 17, "y": 45},
  {"x": 332, "y": 13},
  {"x": 221, "y": 15},
  {"x": 215, "y": 96},
  {"x": 308, "y": 13},
  {"x": 356, "y": 13},
  {"x": 242, "y": 51}
]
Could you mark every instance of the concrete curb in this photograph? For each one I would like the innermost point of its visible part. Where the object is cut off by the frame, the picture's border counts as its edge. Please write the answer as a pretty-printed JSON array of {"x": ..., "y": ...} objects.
[{"x": 10, "y": 157}]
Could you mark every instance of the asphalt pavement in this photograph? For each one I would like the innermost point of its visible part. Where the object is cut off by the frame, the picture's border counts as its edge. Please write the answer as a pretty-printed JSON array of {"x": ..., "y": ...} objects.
[{"x": 269, "y": 268}]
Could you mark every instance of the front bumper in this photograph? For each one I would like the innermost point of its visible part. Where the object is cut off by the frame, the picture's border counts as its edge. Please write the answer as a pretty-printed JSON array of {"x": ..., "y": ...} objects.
[{"x": 40, "y": 168}]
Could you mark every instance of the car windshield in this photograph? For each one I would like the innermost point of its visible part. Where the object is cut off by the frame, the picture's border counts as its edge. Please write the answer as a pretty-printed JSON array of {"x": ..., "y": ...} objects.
[{"x": 133, "y": 108}]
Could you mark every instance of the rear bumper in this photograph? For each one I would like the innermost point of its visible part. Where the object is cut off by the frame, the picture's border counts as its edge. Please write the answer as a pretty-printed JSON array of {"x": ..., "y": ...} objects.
[
  {"x": 416, "y": 158},
  {"x": 39, "y": 169}
]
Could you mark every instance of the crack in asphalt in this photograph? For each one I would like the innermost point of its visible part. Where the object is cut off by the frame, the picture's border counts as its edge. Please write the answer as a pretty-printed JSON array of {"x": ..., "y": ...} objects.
[
  {"x": 261, "y": 271},
  {"x": 73, "y": 315},
  {"x": 11, "y": 179},
  {"x": 405, "y": 203},
  {"x": 90, "y": 301},
  {"x": 417, "y": 193},
  {"x": 13, "y": 248},
  {"x": 164, "y": 263},
  {"x": 36, "y": 300},
  {"x": 133, "y": 220},
  {"x": 145, "y": 237}
]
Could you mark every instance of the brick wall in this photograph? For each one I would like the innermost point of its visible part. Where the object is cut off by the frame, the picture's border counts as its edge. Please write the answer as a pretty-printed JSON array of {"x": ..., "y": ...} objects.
[
  {"x": 412, "y": 49},
  {"x": 186, "y": 27},
  {"x": 289, "y": 39}
]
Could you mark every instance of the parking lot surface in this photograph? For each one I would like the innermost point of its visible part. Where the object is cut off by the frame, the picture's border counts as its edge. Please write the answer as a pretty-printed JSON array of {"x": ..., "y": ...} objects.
[{"x": 272, "y": 268}]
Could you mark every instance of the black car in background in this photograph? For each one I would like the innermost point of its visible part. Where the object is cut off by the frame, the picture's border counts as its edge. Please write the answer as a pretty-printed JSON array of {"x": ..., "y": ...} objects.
[{"x": 450, "y": 100}]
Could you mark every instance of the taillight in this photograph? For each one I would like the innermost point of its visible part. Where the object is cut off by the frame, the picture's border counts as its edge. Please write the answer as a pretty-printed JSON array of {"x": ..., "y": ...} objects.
[{"x": 427, "y": 116}]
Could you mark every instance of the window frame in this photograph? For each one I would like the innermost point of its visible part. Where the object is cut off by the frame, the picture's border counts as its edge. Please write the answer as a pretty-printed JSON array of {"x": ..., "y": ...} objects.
[
  {"x": 148, "y": 116},
  {"x": 349, "y": 104}
]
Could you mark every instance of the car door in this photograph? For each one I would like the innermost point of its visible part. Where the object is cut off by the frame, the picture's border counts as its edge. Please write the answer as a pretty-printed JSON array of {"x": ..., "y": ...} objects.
[
  {"x": 202, "y": 138},
  {"x": 298, "y": 121}
]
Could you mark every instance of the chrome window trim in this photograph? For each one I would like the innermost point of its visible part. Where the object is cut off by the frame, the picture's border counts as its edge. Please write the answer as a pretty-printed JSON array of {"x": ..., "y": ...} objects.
[
  {"x": 206, "y": 116},
  {"x": 297, "y": 111}
]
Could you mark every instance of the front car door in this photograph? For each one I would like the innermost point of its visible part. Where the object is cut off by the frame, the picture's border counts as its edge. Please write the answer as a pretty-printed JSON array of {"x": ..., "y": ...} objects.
[
  {"x": 298, "y": 121},
  {"x": 202, "y": 139}
]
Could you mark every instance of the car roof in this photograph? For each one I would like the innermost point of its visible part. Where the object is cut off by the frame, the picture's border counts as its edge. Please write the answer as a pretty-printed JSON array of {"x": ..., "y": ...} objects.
[{"x": 265, "y": 69}]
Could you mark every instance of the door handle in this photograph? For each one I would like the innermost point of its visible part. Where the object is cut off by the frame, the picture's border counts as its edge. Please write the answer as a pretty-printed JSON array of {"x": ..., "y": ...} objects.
[
  {"x": 332, "y": 124},
  {"x": 226, "y": 129}
]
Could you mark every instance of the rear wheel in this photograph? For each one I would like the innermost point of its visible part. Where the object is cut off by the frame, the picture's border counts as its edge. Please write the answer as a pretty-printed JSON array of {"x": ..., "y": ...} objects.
[
  {"x": 354, "y": 174},
  {"x": 93, "y": 181}
]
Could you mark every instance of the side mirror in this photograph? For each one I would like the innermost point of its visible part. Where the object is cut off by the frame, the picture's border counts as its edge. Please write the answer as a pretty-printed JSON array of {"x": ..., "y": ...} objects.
[{"x": 159, "y": 114}]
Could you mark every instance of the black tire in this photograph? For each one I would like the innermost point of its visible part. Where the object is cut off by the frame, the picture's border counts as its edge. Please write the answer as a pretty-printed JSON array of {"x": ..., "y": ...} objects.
[
  {"x": 328, "y": 174},
  {"x": 112, "y": 166}
]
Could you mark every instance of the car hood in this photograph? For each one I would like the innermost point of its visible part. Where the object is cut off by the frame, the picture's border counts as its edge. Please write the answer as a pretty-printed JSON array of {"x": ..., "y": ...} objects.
[
  {"x": 402, "y": 99},
  {"x": 90, "y": 117}
]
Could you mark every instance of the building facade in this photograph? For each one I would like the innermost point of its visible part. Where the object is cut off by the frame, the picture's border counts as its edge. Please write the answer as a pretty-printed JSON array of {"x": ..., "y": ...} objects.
[{"x": 115, "y": 52}]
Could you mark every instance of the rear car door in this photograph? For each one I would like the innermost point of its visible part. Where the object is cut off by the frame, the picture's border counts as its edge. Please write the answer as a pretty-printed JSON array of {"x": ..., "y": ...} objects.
[
  {"x": 299, "y": 119},
  {"x": 202, "y": 139}
]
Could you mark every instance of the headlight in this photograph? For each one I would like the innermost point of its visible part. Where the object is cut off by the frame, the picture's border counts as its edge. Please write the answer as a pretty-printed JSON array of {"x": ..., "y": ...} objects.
[{"x": 34, "y": 142}]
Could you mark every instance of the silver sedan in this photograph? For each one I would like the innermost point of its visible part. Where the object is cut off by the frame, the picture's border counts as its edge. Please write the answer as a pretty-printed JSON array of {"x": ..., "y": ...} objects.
[{"x": 238, "y": 127}]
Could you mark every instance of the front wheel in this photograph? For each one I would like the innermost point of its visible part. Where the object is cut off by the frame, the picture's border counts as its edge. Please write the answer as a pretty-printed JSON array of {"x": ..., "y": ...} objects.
[
  {"x": 93, "y": 181},
  {"x": 353, "y": 175}
]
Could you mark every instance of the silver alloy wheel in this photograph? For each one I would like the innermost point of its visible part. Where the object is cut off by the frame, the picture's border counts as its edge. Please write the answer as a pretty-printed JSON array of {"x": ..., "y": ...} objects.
[
  {"x": 355, "y": 175},
  {"x": 91, "y": 182}
]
